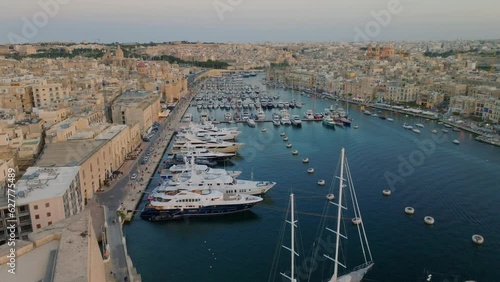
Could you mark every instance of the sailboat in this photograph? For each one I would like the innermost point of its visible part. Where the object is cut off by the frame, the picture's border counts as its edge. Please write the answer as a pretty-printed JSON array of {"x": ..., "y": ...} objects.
[{"x": 357, "y": 274}]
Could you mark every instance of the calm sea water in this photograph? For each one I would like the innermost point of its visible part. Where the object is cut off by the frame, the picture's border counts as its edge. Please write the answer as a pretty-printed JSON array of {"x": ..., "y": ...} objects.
[{"x": 459, "y": 185}]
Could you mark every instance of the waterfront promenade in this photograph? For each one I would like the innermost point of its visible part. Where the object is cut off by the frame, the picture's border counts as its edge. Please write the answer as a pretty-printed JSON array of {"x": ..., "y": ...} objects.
[
  {"x": 134, "y": 189},
  {"x": 123, "y": 195}
]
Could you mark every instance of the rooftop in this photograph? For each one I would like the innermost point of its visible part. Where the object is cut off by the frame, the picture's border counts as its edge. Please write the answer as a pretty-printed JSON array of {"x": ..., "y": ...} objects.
[
  {"x": 68, "y": 153},
  {"x": 111, "y": 132},
  {"x": 31, "y": 266},
  {"x": 70, "y": 238},
  {"x": 42, "y": 183}
]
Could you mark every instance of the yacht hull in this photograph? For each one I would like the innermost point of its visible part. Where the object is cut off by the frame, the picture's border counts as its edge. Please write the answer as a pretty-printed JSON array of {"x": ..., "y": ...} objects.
[{"x": 152, "y": 214}]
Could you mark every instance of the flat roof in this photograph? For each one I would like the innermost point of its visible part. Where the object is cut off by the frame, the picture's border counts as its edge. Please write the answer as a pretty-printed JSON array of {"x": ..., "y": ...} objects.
[
  {"x": 32, "y": 265},
  {"x": 40, "y": 183},
  {"x": 82, "y": 135},
  {"x": 72, "y": 250},
  {"x": 111, "y": 132},
  {"x": 68, "y": 153}
]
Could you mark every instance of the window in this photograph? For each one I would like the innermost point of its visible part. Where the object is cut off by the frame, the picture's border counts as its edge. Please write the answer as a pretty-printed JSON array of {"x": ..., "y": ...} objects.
[
  {"x": 47, "y": 205},
  {"x": 38, "y": 226},
  {"x": 37, "y": 216},
  {"x": 50, "y": 222},
  {"x": 48, "y": 214},
  {"x": 35, "y": 207}
]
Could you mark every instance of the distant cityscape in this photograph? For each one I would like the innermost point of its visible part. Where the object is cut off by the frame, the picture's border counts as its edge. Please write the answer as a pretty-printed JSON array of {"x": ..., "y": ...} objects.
[{"x": 74, "y": 116}]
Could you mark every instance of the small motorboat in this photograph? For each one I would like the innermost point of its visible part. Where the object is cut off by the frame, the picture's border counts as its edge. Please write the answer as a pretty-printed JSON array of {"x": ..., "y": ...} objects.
[
  {"x": 321, "y": 182},
  {"x": 295, "y": 152},
  {"x": 310, "y": 170},
  {"x": 285, "y": 139},
  {"x": 386, "y": 192},
  {"x": 330, "y": 197},
  {"x": 305, "y": 160},
  {"x": 289, "y": 145},
  {"x": 264, "y": 129},
  {"x": 355, "y": 127},
  {"x": 455, "y": 141}
]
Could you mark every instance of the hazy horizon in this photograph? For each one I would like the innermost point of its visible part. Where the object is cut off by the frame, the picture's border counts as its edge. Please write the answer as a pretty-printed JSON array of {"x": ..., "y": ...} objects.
[{"x": 246, "y": 21}]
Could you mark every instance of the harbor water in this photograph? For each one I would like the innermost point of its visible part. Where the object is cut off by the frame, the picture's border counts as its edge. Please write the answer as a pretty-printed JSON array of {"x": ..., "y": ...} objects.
[{"x": 458, "y": 185}]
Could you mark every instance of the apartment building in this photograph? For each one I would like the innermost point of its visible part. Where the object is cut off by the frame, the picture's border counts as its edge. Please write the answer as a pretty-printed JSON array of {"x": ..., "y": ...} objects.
[
  {"x": 43, "y": 196},
  {"x": 52, "y": 116},
  {"x": 429, "y": 99},
  {"x": 99, "y": 151},
  {"x": 450, "y": 89},
  {"x": 51, "y": 95},
  {"x": 16, "y": 96},
  {"x": 399, "y": 91},
  {"x": 136, "y": 107},
  {"x": 463, "y": 104}
]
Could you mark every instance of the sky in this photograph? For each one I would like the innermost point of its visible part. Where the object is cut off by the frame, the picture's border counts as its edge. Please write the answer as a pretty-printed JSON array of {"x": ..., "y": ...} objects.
[{"x": 246, "y": 20}]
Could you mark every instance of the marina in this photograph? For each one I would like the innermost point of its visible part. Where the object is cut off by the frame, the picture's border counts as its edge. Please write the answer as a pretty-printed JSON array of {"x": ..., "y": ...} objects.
[{"x": 421, "y": 171}]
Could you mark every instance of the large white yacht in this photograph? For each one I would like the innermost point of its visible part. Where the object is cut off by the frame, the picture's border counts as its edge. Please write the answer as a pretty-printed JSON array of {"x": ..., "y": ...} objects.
[
  {"x": 171, "y": 203},
  {"x": 222, "y": 182},
  {"x": 206, "y": 154},
  {"x": 201, "y": 130},
  {"x": 185, "y": 170},
  {"x": 193, "y": 142}
]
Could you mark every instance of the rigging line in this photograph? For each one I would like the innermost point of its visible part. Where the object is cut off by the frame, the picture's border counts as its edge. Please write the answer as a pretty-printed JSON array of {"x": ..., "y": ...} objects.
[
  {"x": 356, "y": 209},
  {"x": 322, "y": 225},
  {"x": 304, "y": 213},
  {"x": 300, "y": 197},
  {"x": 365, "y": 238}
]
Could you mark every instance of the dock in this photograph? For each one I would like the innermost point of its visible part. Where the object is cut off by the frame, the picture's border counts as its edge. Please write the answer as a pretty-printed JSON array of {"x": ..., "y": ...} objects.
[{"x": 135, "y": 189}]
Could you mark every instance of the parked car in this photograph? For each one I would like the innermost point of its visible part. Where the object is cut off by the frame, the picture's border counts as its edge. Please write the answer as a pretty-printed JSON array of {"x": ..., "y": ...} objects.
[{"x": 133, "y": 176}]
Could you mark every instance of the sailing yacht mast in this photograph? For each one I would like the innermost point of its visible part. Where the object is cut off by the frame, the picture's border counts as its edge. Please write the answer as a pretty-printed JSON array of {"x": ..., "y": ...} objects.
[
  {"x": 292, "y": 247},
  {"x": 357, "y": 274},
  {"x": 337, "y": 241}
]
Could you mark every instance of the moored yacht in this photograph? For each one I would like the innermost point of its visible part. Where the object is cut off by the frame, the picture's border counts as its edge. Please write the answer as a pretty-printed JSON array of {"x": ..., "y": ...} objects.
[
  {"x": 309, "y": 115},
  {"x": 206, "y": 154},
  {"x": 221, "y": 182},
  {"x": 186, "y": 169},
  {"x": 261, "y": 116},
  {"x": 188, "y": 117},
  {"x": 406, "y": 126},
  {"x": 190, "y": 141},
  {"x": 285, "y": 118},
  {"x": 329, "y": 122},
  {"x": 276, "y": 119},
  {"x": 166, "y": 203},
  {"x": 251, "y": 122},
  {"x": 296, "y": 121}
]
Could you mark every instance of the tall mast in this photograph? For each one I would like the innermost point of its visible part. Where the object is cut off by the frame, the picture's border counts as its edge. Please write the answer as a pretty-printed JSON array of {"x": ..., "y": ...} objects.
[
  {"x": 292, "y": 247},
  {"x": 335, "y": 269},
  {"x": 292, "y": 233}
]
